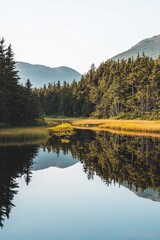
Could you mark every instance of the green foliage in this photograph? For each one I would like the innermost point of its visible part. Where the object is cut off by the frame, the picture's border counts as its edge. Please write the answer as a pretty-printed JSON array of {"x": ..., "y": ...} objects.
[{"x": 19, "y": 105}]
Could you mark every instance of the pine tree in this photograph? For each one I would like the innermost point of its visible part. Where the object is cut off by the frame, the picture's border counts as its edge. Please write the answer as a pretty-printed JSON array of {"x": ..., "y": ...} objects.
[
  {"x": 16, "y": 104},
  {"x": 3, "y": 109},
  {"x": 12, "y": 88}
]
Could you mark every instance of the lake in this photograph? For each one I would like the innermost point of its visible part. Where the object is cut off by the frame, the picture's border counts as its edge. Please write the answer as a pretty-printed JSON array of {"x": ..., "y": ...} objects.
[{"x": 90, "y": 186}]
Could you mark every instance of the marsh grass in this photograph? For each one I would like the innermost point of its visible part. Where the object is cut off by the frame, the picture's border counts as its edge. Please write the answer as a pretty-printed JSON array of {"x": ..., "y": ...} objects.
[
  {"x": 132, "y": 126},
  {"x": 23, "y": 134},
  {"x": 63, "y": 129},
  {"x": 120, "y": 125},
  {"x": 51, "y": 122}
]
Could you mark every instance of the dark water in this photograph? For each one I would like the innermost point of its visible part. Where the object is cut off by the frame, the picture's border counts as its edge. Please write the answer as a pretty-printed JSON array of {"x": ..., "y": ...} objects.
[{"x": 98, "y": 186}]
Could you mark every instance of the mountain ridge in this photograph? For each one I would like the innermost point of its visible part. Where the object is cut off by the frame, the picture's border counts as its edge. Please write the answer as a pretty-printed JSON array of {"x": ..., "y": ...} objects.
[
  {"x": 40, "y": 74},
  {"x": 148, "y": 46}
]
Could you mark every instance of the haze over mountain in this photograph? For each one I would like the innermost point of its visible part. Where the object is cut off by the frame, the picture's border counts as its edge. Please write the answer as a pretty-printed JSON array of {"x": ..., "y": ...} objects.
[
  {"x": 150, "y": 46},
  {"x": 40, "y": 74}
]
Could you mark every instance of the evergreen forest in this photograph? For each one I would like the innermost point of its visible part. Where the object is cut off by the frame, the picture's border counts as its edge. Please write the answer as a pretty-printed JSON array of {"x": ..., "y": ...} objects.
[
  {"x": 18, "y": 104},
  {"x": 126, "y": 89}
]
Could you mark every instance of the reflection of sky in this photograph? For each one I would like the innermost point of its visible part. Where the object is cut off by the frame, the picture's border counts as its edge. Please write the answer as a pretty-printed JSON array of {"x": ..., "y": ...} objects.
[{"x": 63, "y": 204}]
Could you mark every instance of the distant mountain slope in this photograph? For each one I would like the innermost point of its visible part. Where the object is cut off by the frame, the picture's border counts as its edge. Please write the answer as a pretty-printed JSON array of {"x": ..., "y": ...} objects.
[
  {"x": 150, "y": 46},
  {"x": 40, "y": 75}
]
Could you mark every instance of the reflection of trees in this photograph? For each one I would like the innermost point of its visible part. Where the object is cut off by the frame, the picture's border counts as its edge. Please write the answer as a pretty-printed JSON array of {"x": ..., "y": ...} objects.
[
  {"x": 134, "y": 161},
  {"x": 14, "y": 162},
  {"x": 116, "y": 158}
]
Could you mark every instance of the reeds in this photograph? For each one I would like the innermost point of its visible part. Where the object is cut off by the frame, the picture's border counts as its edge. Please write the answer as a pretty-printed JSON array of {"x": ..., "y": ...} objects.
[
  {"x": 23, "y": 134},
  {"x": 121, "y": 125},
  {"x": 131, "y": 125},
  {"x": 145, "y": 126}
]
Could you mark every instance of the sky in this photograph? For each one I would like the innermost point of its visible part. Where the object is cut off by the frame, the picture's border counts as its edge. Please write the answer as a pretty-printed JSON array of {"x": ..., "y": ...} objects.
[{"x": 76, "y": 33}]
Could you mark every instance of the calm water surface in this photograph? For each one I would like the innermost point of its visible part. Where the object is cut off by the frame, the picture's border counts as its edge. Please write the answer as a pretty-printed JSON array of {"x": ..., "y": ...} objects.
[{"x": 98, "y": 186}]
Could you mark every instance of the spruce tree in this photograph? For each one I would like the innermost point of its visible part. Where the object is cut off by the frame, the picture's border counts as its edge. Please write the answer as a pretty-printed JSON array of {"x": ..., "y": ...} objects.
[
  {"x": 3, "y": 108},
  {"x": 13, "y": 99}
]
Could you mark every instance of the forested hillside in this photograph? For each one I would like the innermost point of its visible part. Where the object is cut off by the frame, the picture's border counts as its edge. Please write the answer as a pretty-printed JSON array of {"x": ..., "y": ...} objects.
[
  {"x": 121, "y": 89},
  {"x": 116, "y": 89}
]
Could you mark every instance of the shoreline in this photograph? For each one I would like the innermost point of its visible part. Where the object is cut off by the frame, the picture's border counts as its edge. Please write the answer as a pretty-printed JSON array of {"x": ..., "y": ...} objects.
[
  {"x": 126, "y": 127},
  {"x": 146, "y": 128}
]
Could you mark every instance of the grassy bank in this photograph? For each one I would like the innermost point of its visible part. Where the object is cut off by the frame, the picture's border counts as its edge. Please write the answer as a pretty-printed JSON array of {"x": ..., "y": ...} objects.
[
  {"x": 34, "y": 134},
  {"x": 23, "y": 134},
  {"x": 51, "y": 122},
  {"x": 134, "y": 127},
  {"x": 121, "y": 125}
]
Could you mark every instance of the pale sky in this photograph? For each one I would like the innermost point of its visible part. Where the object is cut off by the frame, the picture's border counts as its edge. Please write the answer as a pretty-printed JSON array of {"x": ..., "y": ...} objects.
[{"x": 76, "y": 33}]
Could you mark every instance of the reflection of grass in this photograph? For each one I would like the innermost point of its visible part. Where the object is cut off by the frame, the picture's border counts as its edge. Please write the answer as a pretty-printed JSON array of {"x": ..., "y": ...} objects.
[
  {"x": 23, "y": 134},
  {"x": 12, "y": 142},
  {"x": 65, "y": 140},
  {"x": 64, "y": 129},
  {"x": 122, "y": 132}
]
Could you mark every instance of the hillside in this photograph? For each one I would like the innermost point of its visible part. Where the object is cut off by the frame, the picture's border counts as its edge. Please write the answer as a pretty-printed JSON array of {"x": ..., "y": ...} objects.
[
  {"x": 150, "y": 46},
  {"x": 40, "y": 75}
]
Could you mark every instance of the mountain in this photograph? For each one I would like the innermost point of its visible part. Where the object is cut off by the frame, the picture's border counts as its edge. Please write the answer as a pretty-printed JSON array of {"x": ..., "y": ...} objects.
[
  {"x": 40, "y": 75},
  {"x": 150, "y": 46}
]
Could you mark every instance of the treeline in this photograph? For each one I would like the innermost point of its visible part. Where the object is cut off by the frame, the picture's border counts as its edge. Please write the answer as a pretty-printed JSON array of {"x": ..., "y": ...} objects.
[
  {"x": 117, "y": 89},
  {"x": 121, "y": 89},
  {"x": 18, "y": 104}
]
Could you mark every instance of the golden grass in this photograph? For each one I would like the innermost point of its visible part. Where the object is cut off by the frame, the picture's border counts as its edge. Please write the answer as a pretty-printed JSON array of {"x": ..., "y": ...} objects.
[
  {"x": 129, "y": 127},
  {"x": 133, "y": 125},
  {"x": 51, "y": 122},
  {"x": 63, "y": 129},
  {"x": 23, "y": 134},
  {"x": 122, "y": 132},
  {"x": 36, "y": 134},
  {"x": 125, "y": 125}
]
